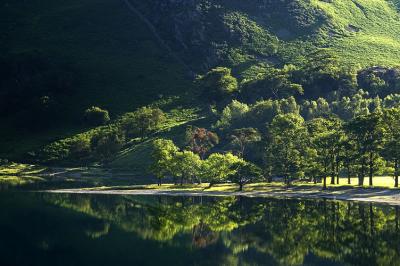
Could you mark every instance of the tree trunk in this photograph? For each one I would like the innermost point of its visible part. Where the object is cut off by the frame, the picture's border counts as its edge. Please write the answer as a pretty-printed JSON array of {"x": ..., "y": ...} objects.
[
  {"x": 348, "y": 175},
  {"x": 324, "y": 185},
  {"x": 337, "y": 171},
  {"x": 333, "y": 174},
  {"x": 371, "y": 168},
  {"x": 397, "y": 217},
  {"x": 288, "y": 181},
  {"x": 361, "y": 174},
  {"x": 371, "y": 219},
  {"x": 333, "y": 170},
  {"x": 240, "y": 186},
  {"x": 396, "y": 173},
  {"x": 159, "y": 181},
  {"x": 182, "y": 180}
]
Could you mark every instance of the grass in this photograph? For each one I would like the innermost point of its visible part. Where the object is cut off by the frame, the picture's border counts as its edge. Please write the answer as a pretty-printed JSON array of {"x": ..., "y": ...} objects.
[
  {"x": 33, "y": 177},
  {"x": 28, "y": 176},
  {"x": 14, "y": 174},
  {"x": 382, "y": 182},
  {"x": 136, "y": 154},
  {"x": 375, "y": 37},
  {"x": 137, "y": 157}
]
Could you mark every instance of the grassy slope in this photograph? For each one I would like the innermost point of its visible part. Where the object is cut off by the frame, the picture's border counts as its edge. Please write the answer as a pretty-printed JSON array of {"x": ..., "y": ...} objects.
[
  {"x": 121, "y": 65},
  {"x": 376, "y": 40},
  {"x": 137, "y": 157}
]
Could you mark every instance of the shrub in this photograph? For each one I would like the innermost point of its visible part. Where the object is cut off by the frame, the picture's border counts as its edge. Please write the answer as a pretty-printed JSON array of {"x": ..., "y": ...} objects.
[
  {"x": 143, "y": 121},
  {"x": 218, "y": 83},
  {"x": 95, "y": 116},
  {"x": 80, "y": 147},
  {"x": 107, "y": 143}
]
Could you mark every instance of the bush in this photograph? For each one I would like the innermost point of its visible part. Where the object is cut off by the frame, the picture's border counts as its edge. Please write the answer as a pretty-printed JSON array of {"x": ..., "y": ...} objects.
[
  {"x": 218, "y": 84},
  {"x": 107, "y": 143},
  {"x": 95, "y": 116},
  {"x": 80, "y": 147},
  {"x": 143, "y": 121}
]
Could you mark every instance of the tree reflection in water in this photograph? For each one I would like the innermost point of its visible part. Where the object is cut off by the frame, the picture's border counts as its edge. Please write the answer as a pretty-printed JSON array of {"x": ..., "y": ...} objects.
[{"x": 233, "y": 230}]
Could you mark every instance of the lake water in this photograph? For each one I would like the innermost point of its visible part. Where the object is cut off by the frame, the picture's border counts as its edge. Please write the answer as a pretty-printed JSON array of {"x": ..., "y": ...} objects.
[{"x": 71, "y": 229}]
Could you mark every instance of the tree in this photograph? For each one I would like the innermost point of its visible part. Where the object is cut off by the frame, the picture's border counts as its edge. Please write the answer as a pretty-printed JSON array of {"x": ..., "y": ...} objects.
[
  {"x": 163, "y": 158},
  {"x": 232, "y": 115},
  {"x": 244, "y": 172},
  {"x": 348, "y": 157},
  {"x": 285, "y": 150},
  {"x": 391, "y": 151},
  {"x": 96, "y": 116},
  {"x": 80, "y": 147},
  {"x": 218, "y": 167},
  {"x": 143, "y": 121},
  {"x": 187, "y": 165},
  {"x": 366, "y": 132},
  {"x": 243, "y": 137},
  {"x": 218, "y": 83},
  {"x": 107, "y": 143},
  {"x": 272, "y": 83},
  {"x": 325, "y": 136},
  {"x": 200, "y": 140}
]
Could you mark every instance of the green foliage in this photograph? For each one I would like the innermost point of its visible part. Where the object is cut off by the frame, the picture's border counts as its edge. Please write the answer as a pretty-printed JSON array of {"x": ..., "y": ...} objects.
[
  {"x": 142, "y": 121},
  {"x": 287, "y": 140},
  {"x": 80, "y": 148},
  {"x": 244, "y": 173},
  {"x": 218, "y": 167},
  {"x": 95, "y": 116},
  {"x": 379, "y": 80},
  {"x": 232, "y": 115},
  {"x": 107, "y": 143},
  {"x": 249, "y": 36},
  {"x": 163, "y": 158},
  {"x": 272, "y": 83},
  {"x": 241, "y": 138},
  {"x": 391, "y": 148},
  {"x": 326, "y": 136},
  {"x": 238, "y": 115},
  {"x": 218, "y": 83},
  {"x": 366, "y": 132},
  {"x": 187, "y": 166}
]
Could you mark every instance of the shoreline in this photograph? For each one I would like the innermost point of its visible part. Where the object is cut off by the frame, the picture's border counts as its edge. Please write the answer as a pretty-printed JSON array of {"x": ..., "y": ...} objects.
[{"x": 372, "y": 195}]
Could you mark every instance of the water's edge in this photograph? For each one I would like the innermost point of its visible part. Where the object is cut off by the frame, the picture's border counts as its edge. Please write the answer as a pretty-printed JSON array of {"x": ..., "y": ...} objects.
[{"x": 389, "y": 197}]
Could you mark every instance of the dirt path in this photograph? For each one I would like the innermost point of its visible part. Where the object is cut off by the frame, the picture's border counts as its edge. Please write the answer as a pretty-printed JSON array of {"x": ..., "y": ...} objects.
[{"x": 386, "y": 196}]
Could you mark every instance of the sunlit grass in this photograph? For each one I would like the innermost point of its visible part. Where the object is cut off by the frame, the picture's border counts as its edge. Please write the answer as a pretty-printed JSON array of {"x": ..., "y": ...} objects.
[
  {"x": 13, "y": 180},
  {"x": 376, "y": 38},
  {"x": 379, "y": 182},
  {"x": 19, "y": 169}
]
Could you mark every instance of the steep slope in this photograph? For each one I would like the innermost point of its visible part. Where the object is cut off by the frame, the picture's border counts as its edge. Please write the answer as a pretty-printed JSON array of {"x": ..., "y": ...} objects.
[
  {"x": 358, "y": 32},
  {"x": 60, "y": 58}
]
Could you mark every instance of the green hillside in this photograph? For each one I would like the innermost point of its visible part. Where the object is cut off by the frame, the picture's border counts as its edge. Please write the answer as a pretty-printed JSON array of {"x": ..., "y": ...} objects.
[{"x": 58, "y": 59}]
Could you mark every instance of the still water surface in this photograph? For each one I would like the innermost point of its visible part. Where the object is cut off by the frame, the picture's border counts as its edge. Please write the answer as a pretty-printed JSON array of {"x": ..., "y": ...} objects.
[{"x": 70, "y": 229}]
